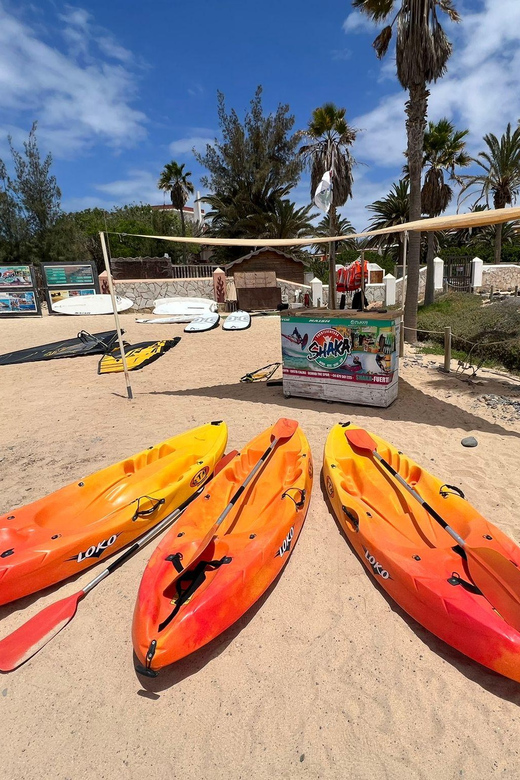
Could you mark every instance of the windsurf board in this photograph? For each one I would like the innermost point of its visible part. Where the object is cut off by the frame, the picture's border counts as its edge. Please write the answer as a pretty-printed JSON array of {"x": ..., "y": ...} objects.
[
  {"x": 188, "y": 307},
  {"x": 203, "y": 322},
  {"x": 91, "y": 304},
  {"x": 237, "y": 320}
]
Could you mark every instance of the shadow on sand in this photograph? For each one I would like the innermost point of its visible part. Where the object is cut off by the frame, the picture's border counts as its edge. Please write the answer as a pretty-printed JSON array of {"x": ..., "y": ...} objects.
[
  {"x": 495, "y": 683},
  {"x": 412, "y": 405}
]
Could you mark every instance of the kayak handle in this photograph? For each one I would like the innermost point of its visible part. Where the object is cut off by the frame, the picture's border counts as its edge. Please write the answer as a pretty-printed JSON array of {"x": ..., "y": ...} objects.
[
  {"x": 146, "y": 512},
  {"x": 297, "y": 504}
]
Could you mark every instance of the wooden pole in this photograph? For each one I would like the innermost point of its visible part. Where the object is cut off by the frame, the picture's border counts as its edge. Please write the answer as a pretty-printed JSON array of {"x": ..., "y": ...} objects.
[
  {"x": 332, "y": 275},
  {"x": 405, "y": 256},
  {"x": 116, "y": 315},
  {"x": 362, "y": 280},
  {"x": 401, "y": 338},
  {"x": 447, "y": 349}
]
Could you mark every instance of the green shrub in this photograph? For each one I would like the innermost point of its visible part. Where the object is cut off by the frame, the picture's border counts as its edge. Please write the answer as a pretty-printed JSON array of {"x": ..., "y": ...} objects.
[{"x": 494, "y": 329}]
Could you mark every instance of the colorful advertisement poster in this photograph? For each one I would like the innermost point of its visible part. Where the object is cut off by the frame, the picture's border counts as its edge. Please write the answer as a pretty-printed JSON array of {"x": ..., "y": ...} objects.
[
  {"x": 15, "y": 276},
  {"x": 59, "y": 295},
  {"x": 342, "y": 350},
  {"x": 18, "y": 303},
  {"x": 57, "y": 275}
]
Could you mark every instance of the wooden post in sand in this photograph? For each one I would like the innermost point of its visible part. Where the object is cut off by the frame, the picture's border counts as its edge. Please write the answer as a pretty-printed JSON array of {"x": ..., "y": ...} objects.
[
  {"x": 447, "y": 349},
  {"x": 362, "y": 280},
  {"x": 116, "y": 316}
]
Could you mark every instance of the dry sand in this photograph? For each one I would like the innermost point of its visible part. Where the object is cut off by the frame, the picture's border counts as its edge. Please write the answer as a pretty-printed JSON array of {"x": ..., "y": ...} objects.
[{"x": 326, "y": 678}]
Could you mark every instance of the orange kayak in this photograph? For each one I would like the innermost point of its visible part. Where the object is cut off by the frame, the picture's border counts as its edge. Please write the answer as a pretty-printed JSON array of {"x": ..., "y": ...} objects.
[
  {"x": 178, "y": 609},
  {"x": 411, "y": 556},
  {"x": 73, "y": 528}
]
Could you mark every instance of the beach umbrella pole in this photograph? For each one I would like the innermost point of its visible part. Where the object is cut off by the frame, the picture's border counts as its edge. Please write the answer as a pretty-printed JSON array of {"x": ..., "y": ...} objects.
[{"x": 116, "y": 316}]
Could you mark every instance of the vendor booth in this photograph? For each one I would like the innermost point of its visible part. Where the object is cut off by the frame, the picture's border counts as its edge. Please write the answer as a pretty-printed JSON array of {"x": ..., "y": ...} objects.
[{"x": 341, "y": 355}]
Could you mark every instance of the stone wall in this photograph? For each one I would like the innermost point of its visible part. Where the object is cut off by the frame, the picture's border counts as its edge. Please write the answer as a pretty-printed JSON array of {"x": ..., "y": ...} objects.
[
  {"x": 505, "y": 276},
  {"x": 144, "y": 292},
  {"x": 399, "y": 287}
]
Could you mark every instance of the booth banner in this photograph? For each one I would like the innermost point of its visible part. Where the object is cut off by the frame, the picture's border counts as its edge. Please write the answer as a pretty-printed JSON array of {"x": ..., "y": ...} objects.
[{"x": 340, "y": 349}]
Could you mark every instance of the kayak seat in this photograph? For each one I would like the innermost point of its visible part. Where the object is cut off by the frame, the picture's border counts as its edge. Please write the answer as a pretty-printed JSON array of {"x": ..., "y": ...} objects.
[{"x": 11, "y": 537}]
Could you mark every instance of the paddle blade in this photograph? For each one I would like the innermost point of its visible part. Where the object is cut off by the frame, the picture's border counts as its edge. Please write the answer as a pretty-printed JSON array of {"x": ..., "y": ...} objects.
[
  {"x": 498, "y": 579},
  {"x": 223, "y": 462},
  {"x": 27, "y": 640},
  {"x": 360, "y": 439},
  {"x": 284, "y": 429}
]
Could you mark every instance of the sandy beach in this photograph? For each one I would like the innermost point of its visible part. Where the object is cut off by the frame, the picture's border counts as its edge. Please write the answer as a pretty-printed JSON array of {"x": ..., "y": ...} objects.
[{"x": 325, "y": 677}]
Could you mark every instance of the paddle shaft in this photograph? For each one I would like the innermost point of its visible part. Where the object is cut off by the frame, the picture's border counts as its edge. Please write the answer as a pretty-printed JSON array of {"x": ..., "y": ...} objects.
[
  {"x": 254, "y": 471},
  {"x": 431, "y": 511},
  {"x": 245, "y": 483}
]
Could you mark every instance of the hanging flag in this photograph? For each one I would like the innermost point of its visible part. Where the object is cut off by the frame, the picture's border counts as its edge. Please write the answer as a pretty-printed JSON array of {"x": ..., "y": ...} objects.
[{"x": 323, "y": 194}]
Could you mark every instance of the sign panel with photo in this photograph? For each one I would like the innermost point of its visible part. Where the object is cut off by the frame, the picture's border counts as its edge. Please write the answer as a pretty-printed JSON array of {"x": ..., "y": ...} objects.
[
  {"x": 59, "y": 295},
  {"x": 18, "y": 303},
  {"x": 69, "y": 275},
  {"x": 16, "y": 276}
]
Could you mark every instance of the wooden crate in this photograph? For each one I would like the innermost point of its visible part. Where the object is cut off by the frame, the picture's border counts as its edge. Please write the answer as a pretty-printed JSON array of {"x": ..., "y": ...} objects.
[
  {"x": 255, "y": 279},
  {"x": 255, "y": 298}
]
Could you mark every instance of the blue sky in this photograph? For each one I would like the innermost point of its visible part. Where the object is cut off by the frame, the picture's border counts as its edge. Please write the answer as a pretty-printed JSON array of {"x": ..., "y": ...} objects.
[{"x": 119, "y": 89}]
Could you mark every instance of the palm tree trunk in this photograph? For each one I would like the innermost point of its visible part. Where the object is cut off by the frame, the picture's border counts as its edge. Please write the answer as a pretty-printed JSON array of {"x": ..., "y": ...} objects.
[
  {"x": 416, "y": 110},
  {"x": 498, "y": 243},
  {"x": 332, "y": 259},
  {"x": 429, "y": 293}
]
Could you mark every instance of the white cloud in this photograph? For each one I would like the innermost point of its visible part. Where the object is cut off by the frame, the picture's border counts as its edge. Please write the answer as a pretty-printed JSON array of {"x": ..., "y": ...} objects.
[
  {"x": 357, "y": 22},
  {"x": 481, "y": 90},
  {"x": 139, "y": 186},
  {"x": 78, "y": 97},
  {"x": 185, "y": 145}
]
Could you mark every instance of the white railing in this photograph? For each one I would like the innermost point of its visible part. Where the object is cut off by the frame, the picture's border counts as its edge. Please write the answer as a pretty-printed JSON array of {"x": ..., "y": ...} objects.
[{"x": 202, "y": 271}]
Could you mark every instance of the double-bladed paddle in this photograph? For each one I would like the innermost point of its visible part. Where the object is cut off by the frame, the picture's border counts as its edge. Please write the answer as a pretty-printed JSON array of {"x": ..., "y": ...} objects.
[
  {"x": 284, "y": 429},
  {"x": 26, "y": 641},
  {"x": 494, "y": 575}
]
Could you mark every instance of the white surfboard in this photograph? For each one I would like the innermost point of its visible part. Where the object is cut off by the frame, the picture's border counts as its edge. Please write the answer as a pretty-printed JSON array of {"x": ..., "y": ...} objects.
[
  {"x": 168, "y": 320},
  {"x": 237, "y": 320},
  {"x": 91, "y": 304},
  {"x": 187, "y": 307},
  {"x": 203, "y": 322}
]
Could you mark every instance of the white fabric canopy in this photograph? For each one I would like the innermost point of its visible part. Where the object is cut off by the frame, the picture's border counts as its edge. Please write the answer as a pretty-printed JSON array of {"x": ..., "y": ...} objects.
[{"x": 446, "y": 222}]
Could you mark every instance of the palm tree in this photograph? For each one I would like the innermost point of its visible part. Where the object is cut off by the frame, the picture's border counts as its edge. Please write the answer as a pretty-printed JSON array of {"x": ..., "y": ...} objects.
[
  {"x": 343, "y": 227},
  {"x": 389, "y": 211},
  {"x": 501, "y": 177},
  {"x": 329, "y": 150},
  {"x": 422, "y": 51},
  {"x": 444, "y": 151},
  {"x": 174, "y": 180},
  {"x": 283, "y": 221}
]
